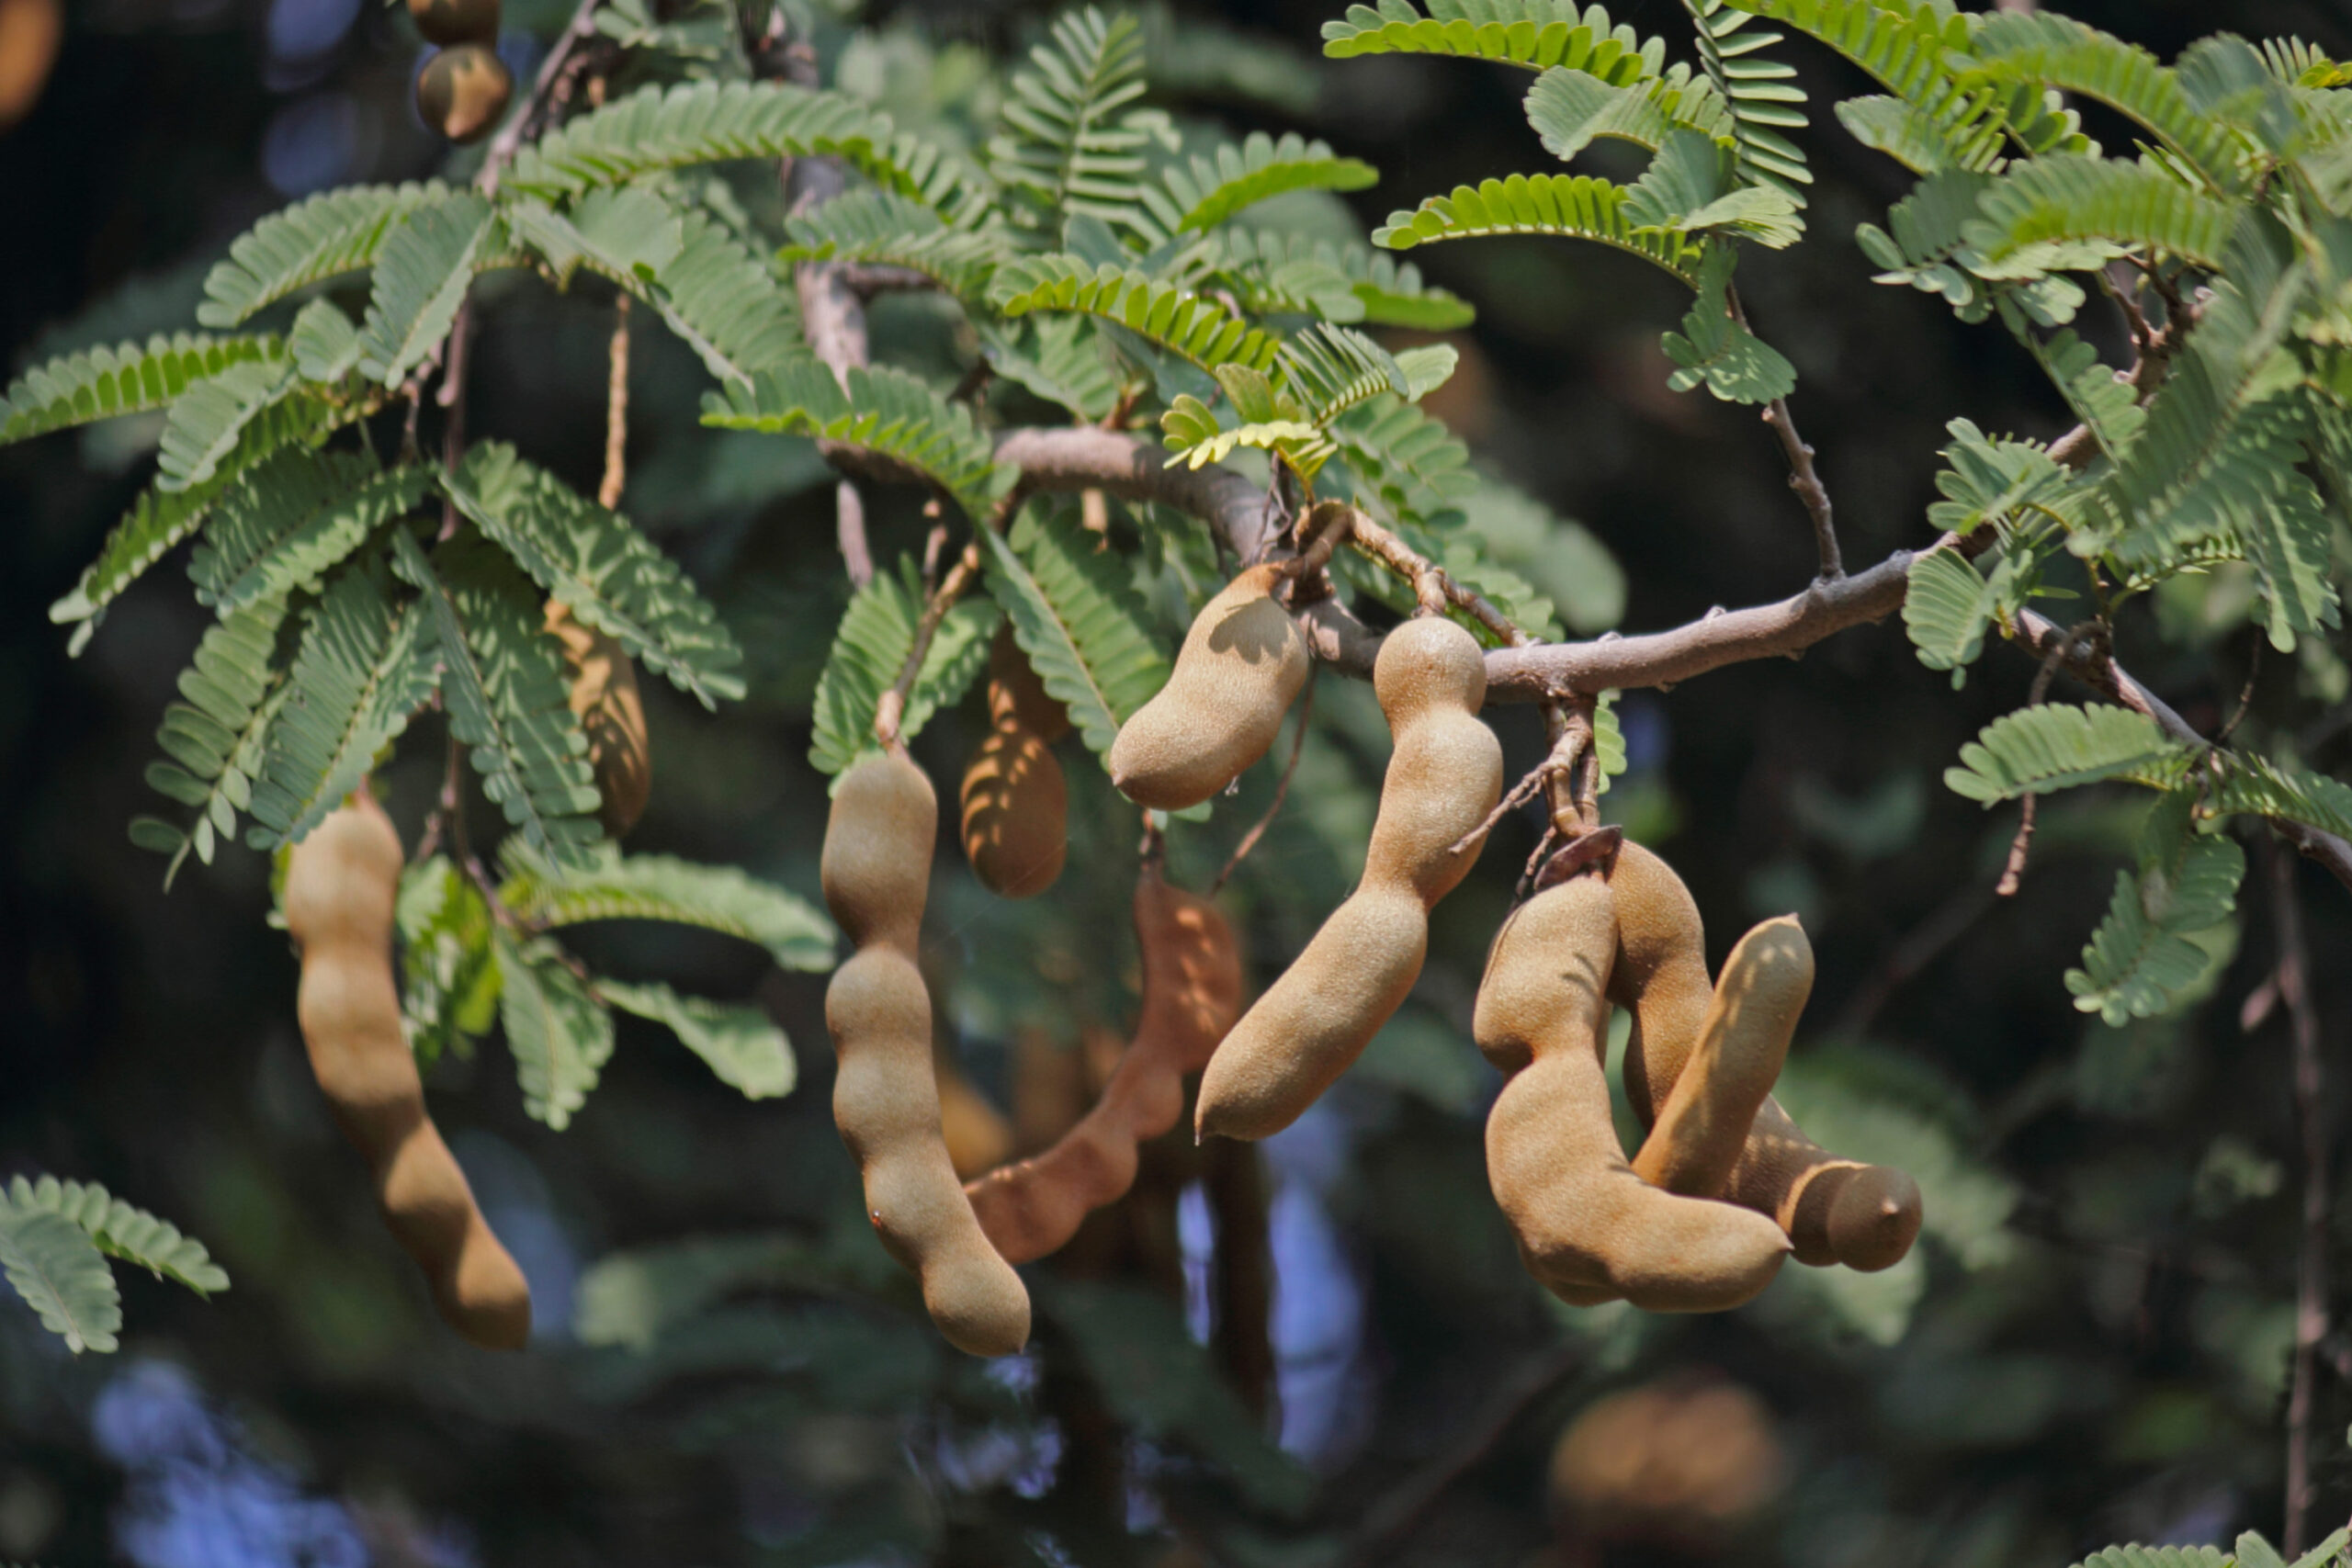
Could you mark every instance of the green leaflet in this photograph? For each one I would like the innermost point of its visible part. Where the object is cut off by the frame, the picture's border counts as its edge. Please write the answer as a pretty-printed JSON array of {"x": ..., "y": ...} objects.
[
  {"x": 217, "y": 739},
  {"x": 607, "y": 886},
  {"x": 1608, "y": 741},
  {"x": 1207, "y": 191},
  {"x": 1948, "y": 605},
  {"x": 285, "y": 522},
  {"x": 1760, "y": 94},
  {"x": 207, "y": 425},
  {"x": 740, "y": 1044},
  {"x": 628, "y": 235},
  {"x": 1573, "y": 206},
  {"x": 1071, "y": 145},
  {"x": 1193, "y": 326},
  {"x": 1273, "y": 273},
  {"x": 503, "y": 678},
  {"x": 877, "y": 632},
  {"x": 1571, "y": 109},
  {"x": 704, "y": 122},
  {"x": 364, "y": 668},
  {"x": 735, "y": 313},
  {"x": 448, "y": 972},
  {"x": 887, "y": 411},
  {"x": 881, "y": 228},
  {"x": 2070, "y": 212},
  {"x": 1692, "y": 186},
  {"x": 1715, "y": 349},
  {"x": 2050, "y": 51},
  {"x": 121, "y": 1230},
  {"x": 324, "y": 343},
  {"x": 60, "y": 1272},
  {"x": 2141, "y": 962},
  {"x": 427, "y": 262},
  {"x": 559, "y": 1032},
  {"x": 602, "y": 567},
  {"x": 103, "y": 383},
  {"x": 1532, "y": 33},
  {"x": 327, "y": 235},
  {"x": 1076, "y": 613},
  {"x": 2053, "y": 746},
  {"x": 2257, "y": 786}
]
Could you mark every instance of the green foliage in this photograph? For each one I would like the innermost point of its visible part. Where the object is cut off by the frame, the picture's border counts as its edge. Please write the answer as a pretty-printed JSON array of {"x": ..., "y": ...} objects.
[
  {"x": 1571, "y": 109},
  {"x": 2053, "y": 746},
  {"x": 1193, "y": 326},
  {"x": 2077, "y": 212},
  {"x": 503, "y": 680},
  {"x": 215, "y": 739},
  {"x": 105, "y": 383},
  {"x": 881, "y": 228},
  {"x": 61, "y": 1275},
  {"x": 2141, "y": 960},
  {"x": 427, "y": 262},
  {"x": 122, "y": 1230},
  {"x": 595, "y": 563},
  {"x": 366, "y": 665},
  {"x": 335, "y": 233},
  {"x": 724, "y": 304},
  {"x": 1692, "y": 186},
  {"x": 1210, "y": 190},
  {"x": 747, "y": 1050},
  {"x": 885, "y": 410},
  {"x": 448, "y": 972},
  {"x": 877, "y": 634},
  {"x": 560, "y": 1035},
  {"x": 1537, "y": 34},
  {"x": 1715, "y": 348},
  {"x": 1299, "y": 274},
  {"x": 285, "y": 523},
  {"x": 1575, "y": 205},
  {"x": 606, "y": 885},
  {"x": 207, "y": 427},
  {"x": 1759, "y": 92},
  {"x": 2058, "y": 53},
  {"x": 1069, "y": 145},
  {"x": 1074, "y": 613}
]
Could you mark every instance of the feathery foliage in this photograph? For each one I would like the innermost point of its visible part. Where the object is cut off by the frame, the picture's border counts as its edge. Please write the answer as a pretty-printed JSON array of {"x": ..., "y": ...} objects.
[
  {"x": 215, "y": 739},
  {"x": 1575, "y": 205},
  {"x": 327, "y": 236},
  {"x": 1537, "y": 34},
  {"x": 1759, "y": 93},
  {"x": 558, "y": 1034},
  {"x": 285, "y": 523},
  {"x": 61, "y": 1275},
  {"x": 1209, "y": 191},
  {"x": 742, "y": 1046},
  {"x": 2142, "y": 961},
  {"x": 606, "y": 886},
  {"x": 1070, "y": 144},
  {"x": 877, "y": 634},
  {"x": 1193, "y": 326},
  {"x": 121, "y": 1230},
  {"x": 105, "y": 383},
  {"x": 1297, "y": 273},
  {"x": 885, "y": 410},
  {"x": 1074, "y": 613},
  {"x": 2054, "y": 746},
  {"x": 427, "y": 262}
]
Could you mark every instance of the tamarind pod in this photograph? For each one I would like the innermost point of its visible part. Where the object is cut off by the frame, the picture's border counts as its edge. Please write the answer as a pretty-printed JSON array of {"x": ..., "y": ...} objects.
[
  {"x": 1015, "y": 693},
  {"x": 1242, "y": 664},
  {"x": 876, "y": 869},
  {"x": 604, "y": 699},
  {"x": 1661, "y": 977},
  {"x": 1016, "y": 812},
  {"x": 341, "y": 884},
  {"x": 1192, "y": 993},
  {"x": 1443, "y": 779},
  {"x": 1588, "y": 1227},
  {"x": 462, "y": 92},
  {"x": 1836, "y": 1211},
  {"x": 1707, "y": 1118}
]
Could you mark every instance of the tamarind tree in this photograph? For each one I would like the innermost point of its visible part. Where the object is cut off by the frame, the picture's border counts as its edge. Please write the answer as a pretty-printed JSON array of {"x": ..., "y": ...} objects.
[{"x": 1036, "y": 414}]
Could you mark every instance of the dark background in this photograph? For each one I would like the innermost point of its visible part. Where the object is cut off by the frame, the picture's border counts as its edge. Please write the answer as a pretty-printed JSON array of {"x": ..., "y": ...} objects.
[{"x": 2108, "y": 1364}]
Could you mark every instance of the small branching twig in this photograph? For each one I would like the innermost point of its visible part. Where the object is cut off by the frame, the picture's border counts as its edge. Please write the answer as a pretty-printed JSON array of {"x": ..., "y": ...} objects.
[
  {"x": 1803, "y": 478},
  {"x": 891, "y": 710},
  {"x": 608, "y": 493},
  {"x": 2013, "y": 872},
  {"x": 1282, "y": 789}
]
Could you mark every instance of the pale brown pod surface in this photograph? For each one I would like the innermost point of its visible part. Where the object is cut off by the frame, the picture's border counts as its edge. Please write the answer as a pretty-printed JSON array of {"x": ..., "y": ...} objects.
[
  {"x": 1192, "y": 993},
  {"x": 1016, "y": 812},
  {"x": 1679, "y": 1464},
  {"x": 1241, "y": 666},
  {"x": 1589, "y": 1228},
  {"x": 1662, "y": 977},
  {"x": 1443, "y": 779},
  {"x": 876, "y": 869},
  {"x": 340, "y": 884},
  {"x": 448, "y": 22},
  {"x": 604, "y": 699},
  {"x": 1729, "y": 1075},
  {"x": 462, "y": 92}
]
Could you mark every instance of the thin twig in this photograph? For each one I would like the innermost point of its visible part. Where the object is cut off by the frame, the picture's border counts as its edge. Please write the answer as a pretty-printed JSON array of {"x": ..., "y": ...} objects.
[
  {"x": 2013, "y": 872},
  {"x": 1803, "y": 478},
  {"x": 1282, "y": 788},
  {"x": 608, "y": 493},
  {"x": 1560, "y": 760},
  {"x": 2311, "y": 1287},
  {"x": 2246, "y": 695},
  {"x": 891, "y": 710}
]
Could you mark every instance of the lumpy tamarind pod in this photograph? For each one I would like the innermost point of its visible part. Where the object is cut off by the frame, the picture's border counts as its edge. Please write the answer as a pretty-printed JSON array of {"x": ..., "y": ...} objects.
[
  {"x": 1016, "y": 812},
  {"x": 1661, "y": 976},
  {"x": 604, "y": 699},
  {"x": 1241, "y": 666},
  {"x": 876, "y": 869},
  {"x": 1707, "y": 1118},
  {"x": 1443, "y": 778},
  {"x": 1015, "y": 693},
  {"x": 1192, "y": 992},
  {"x": 447, "y": 22},
  {"x": 462, "y": 92},
  {"x": 341, "y": 884},
  {"x": 1590, "y": 1228}
]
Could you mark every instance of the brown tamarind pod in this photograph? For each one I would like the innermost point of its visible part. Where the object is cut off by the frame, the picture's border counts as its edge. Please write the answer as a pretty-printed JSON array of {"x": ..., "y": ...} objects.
[
  {"x": 1661, "y": 976},
  {"x": 447, "y": 22},
  {"x": 1241, "y": 666},
  {"x": 604, "y": 699},
  {"x": 1443, "y": 778},
  {"x": 341, "y": 884},
  {"x": 1588, "y": 1227},
  {"x": 1192, "y": 993},
  {"x": 1016, "y": 812},
  {"x": 875, "y": 869},
  {"x": 462, "y": 92},
  {"x": 1706, "y": 1121}
]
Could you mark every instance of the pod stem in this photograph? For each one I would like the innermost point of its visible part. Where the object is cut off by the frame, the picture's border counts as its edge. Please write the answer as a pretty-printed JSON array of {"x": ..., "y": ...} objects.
[{"x": 608, "y": 492}]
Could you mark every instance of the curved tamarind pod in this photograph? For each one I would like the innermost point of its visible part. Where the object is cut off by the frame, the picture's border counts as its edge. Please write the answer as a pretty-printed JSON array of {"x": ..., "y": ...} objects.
[
  {"x": 462, "y": 92},
  {"x": 1590, "y": 1228},
  {"x": 447, "y": 22},
  {"x": 1240, "y": 670},
  {"x": 1015, "y": 693},
  {"x": 1661, "y": 976},
  {"x": 1706, "y": 1121},
  {"x": 1192, "y": 993},
  {"x": 1016, "y": 812},
  {"x": 604, "y": 699},
  {"x": 341, "y": 883},
  {"x": 1443, "y": 778},
  {"x": 876, "y": 871}
]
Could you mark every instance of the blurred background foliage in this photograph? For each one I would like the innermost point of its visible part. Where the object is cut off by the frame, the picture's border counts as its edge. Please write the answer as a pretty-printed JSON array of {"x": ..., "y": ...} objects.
[{"x": 2090, "y": 1345}]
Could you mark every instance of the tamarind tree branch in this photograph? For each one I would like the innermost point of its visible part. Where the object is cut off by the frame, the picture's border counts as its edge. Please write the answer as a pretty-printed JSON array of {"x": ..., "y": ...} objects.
[{"x": 2293, "y": 980}]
